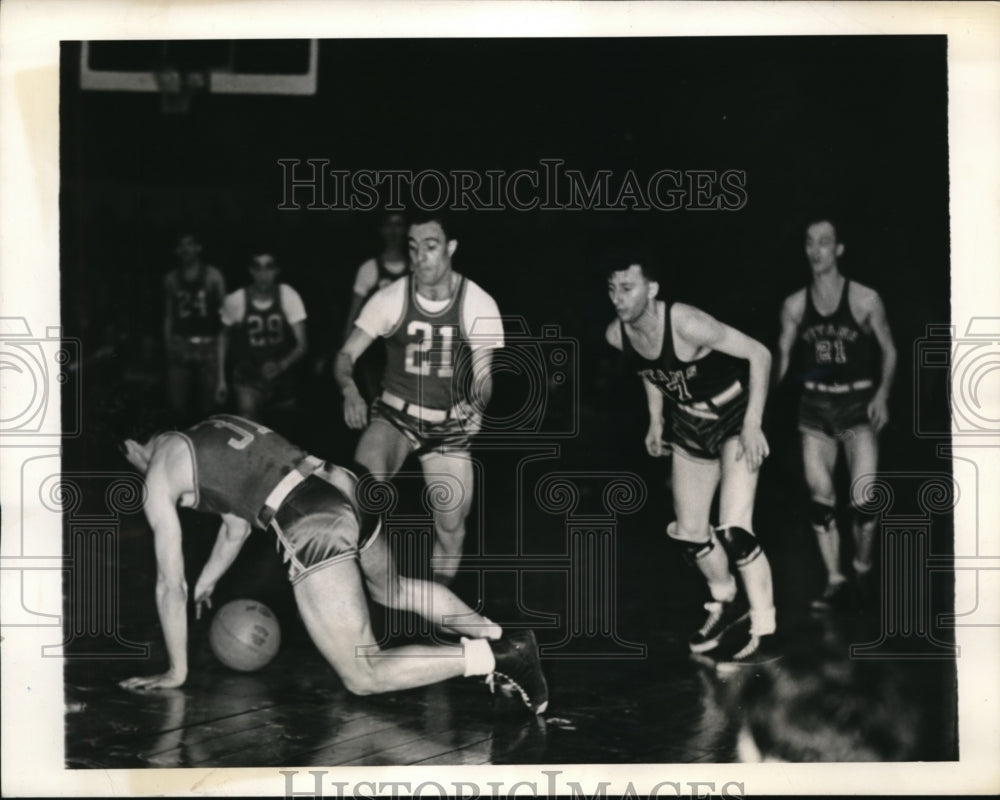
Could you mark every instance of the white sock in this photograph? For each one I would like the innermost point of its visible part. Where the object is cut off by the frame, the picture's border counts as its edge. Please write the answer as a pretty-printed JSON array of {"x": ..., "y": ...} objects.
[
  {"x": 861, "y": 568},
  {"x": 762, "y": 621},
  {"x": 479, "y": 658}
]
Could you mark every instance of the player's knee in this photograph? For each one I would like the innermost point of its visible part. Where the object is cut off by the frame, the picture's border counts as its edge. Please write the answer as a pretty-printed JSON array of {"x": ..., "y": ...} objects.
[
  {"x": 740, "y": 544},
  {"x": 360, "y": 678},
  {"x": 693, "y": 543},
  {"x": 862, "y": 516},
  {"x": 821, "y": 515}
]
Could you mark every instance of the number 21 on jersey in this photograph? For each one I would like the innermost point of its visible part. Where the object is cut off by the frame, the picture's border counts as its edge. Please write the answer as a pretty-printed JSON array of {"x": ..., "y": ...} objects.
[{"x": 430, "y": 339}]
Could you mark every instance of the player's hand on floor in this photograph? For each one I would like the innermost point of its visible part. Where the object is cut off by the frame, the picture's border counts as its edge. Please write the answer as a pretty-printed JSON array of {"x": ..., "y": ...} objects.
[
  {"x": 753, "y": 447},
  {"x": 355, "y": 409},
  {"x": 168, "y": 680}
]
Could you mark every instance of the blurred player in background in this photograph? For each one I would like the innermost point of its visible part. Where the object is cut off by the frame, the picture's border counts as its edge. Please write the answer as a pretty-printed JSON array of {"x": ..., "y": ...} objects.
[
  {"x": 440, "y": 330},
  {"x": 716, "y": 381},
  {"x": 193, "y": 292},
  {"x": 376, "y": 273},
  {"x": 254, "y": 478},
  {"x": 265, "y": 338},
  {"x": 848, "y": 360}
]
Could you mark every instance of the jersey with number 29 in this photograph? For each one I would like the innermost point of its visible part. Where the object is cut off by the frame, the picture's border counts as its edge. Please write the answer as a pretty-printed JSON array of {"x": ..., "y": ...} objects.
[{"x": 237, "y": 463}]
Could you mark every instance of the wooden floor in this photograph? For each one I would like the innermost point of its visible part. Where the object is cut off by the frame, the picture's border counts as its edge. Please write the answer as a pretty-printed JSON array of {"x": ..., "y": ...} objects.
[{"x": 657, "y": 707}]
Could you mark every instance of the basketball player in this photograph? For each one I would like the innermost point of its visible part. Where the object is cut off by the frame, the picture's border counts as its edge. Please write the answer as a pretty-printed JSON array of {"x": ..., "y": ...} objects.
[
  {"x": 848, "y": 362},
  {"x": 253, "y": 477},
  {"x": 265, "y": 325},
  {"x": 193, "y": 293},
  {"x": 439, "y": 327},
  {"x": 715, "y": 379}
]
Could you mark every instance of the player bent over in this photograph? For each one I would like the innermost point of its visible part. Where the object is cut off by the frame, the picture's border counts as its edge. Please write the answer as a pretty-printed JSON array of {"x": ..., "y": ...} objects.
[
  {"x": 701, "y": 367},
  {"x": 841, "y": 328},
  {"x": 253, "y": 477}
]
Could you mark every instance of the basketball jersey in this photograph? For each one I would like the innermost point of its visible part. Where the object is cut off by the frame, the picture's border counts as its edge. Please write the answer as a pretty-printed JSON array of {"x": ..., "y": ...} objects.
[
  {"x": 423, "y": 348},
  {"x": 835, "y": 349},
  {"x": 237, "y": 463},
  {"x": 265, "y": 334},
  {"x": 685, "y": 382},
  {"x": 195, "y": 305}
]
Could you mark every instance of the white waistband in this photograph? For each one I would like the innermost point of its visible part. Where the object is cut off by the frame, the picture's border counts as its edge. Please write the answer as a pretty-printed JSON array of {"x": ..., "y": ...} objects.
[{"x": 306, "y": 467}]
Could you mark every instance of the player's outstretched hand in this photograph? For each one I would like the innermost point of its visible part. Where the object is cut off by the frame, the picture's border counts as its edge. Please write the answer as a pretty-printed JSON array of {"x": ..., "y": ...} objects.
[
  {"x": 878, "y": 412},
  {"x": 753, "y": 447},
  {"x": 355, "y": 409},
  {"x": 168, "y": 680},
  {"x": 202, "y": 598}
]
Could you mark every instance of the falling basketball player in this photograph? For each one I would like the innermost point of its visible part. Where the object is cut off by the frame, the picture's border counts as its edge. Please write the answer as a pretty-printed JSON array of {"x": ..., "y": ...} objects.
[
  {"x": 839, "y": 326},
  {"x": 715, "y": 379},
  {"x": 434, "y": 321},
  {"x": 334, "y": 549}
]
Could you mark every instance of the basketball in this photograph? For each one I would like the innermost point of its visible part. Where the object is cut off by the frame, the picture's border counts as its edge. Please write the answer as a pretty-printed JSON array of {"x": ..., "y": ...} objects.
[{"x": 245, "y": 635}]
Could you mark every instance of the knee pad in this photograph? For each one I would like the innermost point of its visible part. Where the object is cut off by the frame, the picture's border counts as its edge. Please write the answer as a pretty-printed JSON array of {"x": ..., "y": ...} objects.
[
  {"x": 741, "y": 545},
  {"x": 861, "y": 516},
  {"x": 693, "y": 551},
  {"x": 820, "y": 515}
]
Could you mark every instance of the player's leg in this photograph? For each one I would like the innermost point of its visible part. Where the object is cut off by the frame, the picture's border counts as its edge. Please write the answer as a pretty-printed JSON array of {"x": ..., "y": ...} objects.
[
  {"x": 449, "y": 479},
  {"x": 334, "y": 609},
  {"x": 429, "y": 599},
  {"x": 382, "y": 449},
  {"x": 694, "y": 482},
  {"x": 735, "y": 532},
  {"x": 819, "y": 457},
  {"x": 249, "y": 402},
  {"x": 861, "y": 451}
]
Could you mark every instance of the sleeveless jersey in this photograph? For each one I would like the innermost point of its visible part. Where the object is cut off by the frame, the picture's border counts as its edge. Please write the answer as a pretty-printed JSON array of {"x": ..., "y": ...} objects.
[
  {"x": 265, "y": 335},
  {"x": 195, "y": 305},
  {"x": 835, "y": 349},
  {"x": 237, "y": 463},
  {"x": 686, "y": 382},
  {"x": 423, "y": 349}
]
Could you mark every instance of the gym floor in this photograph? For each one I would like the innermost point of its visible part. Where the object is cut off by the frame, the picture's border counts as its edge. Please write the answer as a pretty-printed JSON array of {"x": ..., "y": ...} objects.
[{"x": 641, "y": 699}]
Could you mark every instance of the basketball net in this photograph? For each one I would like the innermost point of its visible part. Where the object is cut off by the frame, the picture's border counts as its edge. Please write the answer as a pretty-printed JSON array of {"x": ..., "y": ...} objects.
[{"x": 176, "y": 89}]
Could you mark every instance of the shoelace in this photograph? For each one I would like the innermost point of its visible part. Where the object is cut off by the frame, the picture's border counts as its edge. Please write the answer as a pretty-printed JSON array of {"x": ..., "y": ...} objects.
[{"x": 491, "y": 682}]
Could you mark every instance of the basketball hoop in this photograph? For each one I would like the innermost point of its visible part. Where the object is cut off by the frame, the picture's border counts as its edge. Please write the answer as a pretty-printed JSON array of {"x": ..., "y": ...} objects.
[{"x": 176, "y": 88}]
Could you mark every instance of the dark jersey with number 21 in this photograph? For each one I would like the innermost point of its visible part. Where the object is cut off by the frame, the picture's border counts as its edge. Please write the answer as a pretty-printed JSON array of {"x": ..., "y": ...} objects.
[{"x": 237, "y": 463}]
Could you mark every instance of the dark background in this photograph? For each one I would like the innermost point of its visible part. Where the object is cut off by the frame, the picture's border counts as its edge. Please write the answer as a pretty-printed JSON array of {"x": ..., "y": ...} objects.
[{"x": 853, "y": 126}]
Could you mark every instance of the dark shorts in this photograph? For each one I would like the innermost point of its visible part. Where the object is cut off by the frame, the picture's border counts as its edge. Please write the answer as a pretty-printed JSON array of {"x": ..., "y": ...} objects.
[
  {"x": 200, "y": 352},
  {"x": 451, "y": 436},
  {"x": 701, "y": 434},
  {"x": 830, "y": 416},
  {"x": 317, "y": 526}
]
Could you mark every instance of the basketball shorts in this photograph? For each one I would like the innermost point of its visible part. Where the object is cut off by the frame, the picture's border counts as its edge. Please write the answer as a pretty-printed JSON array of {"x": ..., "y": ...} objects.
[
  {"x": 317, "y": 526},
  {"x": 830, "y": 416},
  {"x": 450, "y": 436},
  {"x": 700, "y": 434},
  {"x": 199, "y": 351}
]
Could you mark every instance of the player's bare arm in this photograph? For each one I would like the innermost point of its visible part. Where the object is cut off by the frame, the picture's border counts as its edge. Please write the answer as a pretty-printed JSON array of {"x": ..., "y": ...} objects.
[
  {"x": 702, "y": 331},
  {"x": 874, "y": 316},
  {"x": 355, "y": 409},
  {"x": 232, "y": 534},
  {"x": 473, "y": 406},
  {"x": 792, "y": 312},
  {"x": 655, "y": 445},
  {"x": 164, "y": 479}
]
